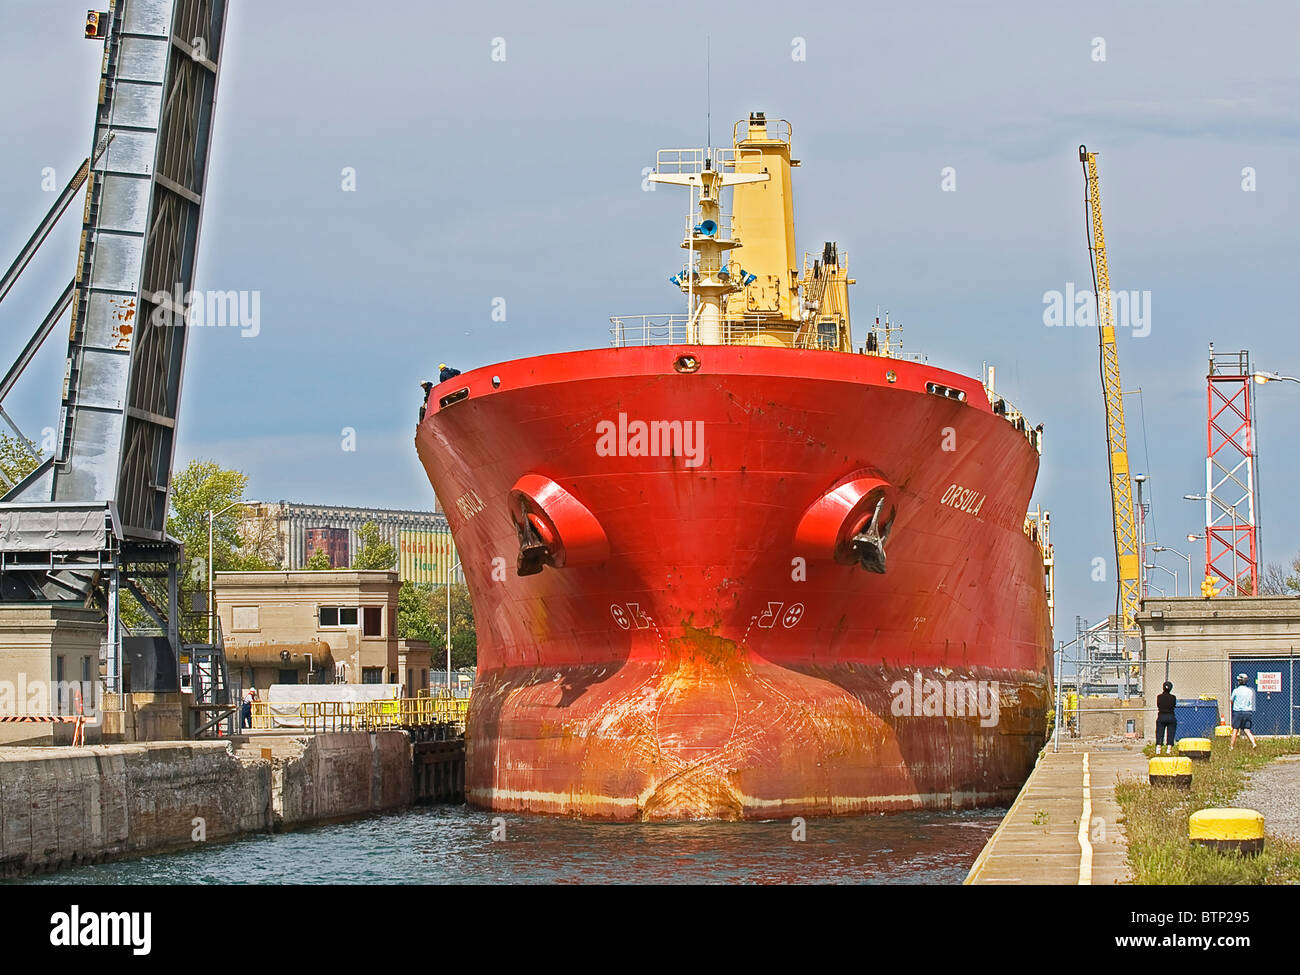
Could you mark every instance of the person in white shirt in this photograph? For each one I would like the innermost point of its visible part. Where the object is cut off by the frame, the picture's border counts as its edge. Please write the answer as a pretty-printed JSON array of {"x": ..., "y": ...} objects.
[
  {"x": 246, "y": 708},
  {"x": 1243, "y": 710}
]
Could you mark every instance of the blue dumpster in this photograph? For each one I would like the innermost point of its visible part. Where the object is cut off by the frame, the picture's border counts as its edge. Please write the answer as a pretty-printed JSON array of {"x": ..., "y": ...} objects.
[{"x": 1196, "y": 719}]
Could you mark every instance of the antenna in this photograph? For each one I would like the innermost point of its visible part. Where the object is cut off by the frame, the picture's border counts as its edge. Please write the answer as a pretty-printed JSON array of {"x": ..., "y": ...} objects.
[{"x": 708, "y": 90}]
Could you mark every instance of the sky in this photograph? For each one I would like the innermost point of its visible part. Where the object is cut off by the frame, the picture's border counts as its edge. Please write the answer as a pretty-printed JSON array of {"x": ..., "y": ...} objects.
[{"x": 497, "y": 149}]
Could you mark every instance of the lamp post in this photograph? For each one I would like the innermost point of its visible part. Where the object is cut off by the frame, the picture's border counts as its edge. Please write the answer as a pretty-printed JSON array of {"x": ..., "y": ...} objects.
[
  {"x": 1153, "y": 565},
  {"x": 1186, "y": 558},
  {"x": 1138, "y": 481},
  {"x": 450, "y": 572},
  {"x": 1235, "y": 523},
  {"x": 212, "y": 602},
  {"x": 1260, "y": 379}
]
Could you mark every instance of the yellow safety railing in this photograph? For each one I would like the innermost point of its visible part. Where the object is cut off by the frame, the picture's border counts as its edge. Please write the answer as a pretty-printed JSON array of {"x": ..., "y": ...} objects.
[{"x": 405, "y": 712}]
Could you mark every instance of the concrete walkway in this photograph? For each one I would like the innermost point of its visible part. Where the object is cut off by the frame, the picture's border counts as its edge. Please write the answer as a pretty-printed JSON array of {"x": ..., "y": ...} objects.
[{"x": 1041, "y": 839}]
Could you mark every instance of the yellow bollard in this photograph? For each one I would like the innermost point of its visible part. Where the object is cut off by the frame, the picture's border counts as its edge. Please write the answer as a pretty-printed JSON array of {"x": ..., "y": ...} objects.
[
  {"x": 1197, "y": 749},
  {"x": 1222, "y": 731},
  {"x": 1169, "y": 770},
  {"x": 1227, "y": 830}
]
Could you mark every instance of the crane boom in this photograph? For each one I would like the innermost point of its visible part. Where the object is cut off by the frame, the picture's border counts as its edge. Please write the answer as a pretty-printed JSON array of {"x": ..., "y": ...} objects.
[{"x": 1121, "y": 488}]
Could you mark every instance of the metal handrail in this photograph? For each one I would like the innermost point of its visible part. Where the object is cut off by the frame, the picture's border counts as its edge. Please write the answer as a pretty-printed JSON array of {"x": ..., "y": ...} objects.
[
  {"x": 777, "y": 128},
  {"x": 676, "y": 329},
  {"x": 687, "y": 161},
  {"x": 727, "y": 228},
  {"x": 393, "y": 713}
]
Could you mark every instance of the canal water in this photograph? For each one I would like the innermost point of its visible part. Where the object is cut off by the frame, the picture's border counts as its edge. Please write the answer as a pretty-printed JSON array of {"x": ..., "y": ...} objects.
[{"x": 453, "y": 844}]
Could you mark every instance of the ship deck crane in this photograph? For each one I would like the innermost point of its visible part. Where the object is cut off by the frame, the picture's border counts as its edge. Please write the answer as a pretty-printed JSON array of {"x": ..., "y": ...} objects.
[{"x": 1121, "y": 488}]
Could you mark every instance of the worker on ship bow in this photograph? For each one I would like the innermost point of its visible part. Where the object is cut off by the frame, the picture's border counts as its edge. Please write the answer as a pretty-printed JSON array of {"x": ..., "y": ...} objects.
[{"x": 426, "y": 386}]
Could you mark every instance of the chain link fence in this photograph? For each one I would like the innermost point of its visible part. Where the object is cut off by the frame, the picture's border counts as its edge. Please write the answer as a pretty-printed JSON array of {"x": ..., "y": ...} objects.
[{"x": 1107, "y": 687}]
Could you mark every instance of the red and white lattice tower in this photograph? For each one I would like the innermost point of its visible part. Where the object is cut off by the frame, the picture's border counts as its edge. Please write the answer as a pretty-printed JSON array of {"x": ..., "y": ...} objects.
[{"x": 1231, "y": 539}]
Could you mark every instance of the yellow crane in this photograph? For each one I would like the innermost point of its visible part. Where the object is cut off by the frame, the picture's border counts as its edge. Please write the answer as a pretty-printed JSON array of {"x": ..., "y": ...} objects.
[{"x": 1121, "y": 488}]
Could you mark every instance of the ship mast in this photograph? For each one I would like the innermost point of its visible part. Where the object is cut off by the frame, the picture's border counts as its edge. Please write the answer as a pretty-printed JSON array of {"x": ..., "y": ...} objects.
[
  {"x": 767, "y": 302},
  {"x": 706, "y": 281}
]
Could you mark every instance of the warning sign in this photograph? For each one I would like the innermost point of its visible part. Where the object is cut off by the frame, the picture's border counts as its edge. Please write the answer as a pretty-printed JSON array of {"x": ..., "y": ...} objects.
[{"x": 1269, "y": 681}]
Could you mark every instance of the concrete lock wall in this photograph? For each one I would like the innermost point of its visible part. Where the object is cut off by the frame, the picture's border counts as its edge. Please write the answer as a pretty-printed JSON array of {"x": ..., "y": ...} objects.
[
  {"x": 340, "y": 775},
  {"x": 64, "y": 806},
  {"x": 1111, "y": 715}
]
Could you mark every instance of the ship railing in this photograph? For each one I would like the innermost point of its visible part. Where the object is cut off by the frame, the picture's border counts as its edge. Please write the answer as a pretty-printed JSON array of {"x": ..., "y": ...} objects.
[
  {"x": 727, "y": 229},
  {"x": 678, "y": 329},
  {"x": 689, "y": 161},
  {"x": 1004, "y": 408},
  {"x": 777, "y": 128},
  {"x": 918, "y": 357}
]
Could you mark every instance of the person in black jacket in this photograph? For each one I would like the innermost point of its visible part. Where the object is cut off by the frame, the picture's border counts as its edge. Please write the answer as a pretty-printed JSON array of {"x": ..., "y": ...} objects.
[
  {"x": 445, "y": 372},
  {"x": 424, "y": 406},
  {"x": 1166, "y": 718}
]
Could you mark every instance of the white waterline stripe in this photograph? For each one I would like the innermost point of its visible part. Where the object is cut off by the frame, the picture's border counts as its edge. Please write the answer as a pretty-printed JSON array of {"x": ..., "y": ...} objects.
[{"x": 747, "y": 802}]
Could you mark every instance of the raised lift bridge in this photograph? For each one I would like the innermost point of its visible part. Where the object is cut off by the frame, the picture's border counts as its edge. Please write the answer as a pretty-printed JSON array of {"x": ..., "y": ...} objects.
[{"x": 91, "y": 519}]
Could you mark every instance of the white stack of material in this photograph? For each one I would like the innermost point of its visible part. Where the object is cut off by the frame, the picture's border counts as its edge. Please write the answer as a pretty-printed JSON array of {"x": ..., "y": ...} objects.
[{"x": 283, "y": 699}]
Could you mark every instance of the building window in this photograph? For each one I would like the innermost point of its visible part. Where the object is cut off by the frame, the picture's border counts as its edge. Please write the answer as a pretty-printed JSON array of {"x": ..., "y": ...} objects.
[
  {"x": 372, "y": 675},
  {"x": 424, "y": 678},
  {"x": 244, "y": 618},
  {"x": 372, "y": 621},
  {"x": 85, "y": 670},
  {"x": 61, "y": 703},
  {"x": 338, "y": 615}
]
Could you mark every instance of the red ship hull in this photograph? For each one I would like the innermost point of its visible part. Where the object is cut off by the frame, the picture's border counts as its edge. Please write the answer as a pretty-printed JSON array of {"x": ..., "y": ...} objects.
[{"x": 697, "y": 650}]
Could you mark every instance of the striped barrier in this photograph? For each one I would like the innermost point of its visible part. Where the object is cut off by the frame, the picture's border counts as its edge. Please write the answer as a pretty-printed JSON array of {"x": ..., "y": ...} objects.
[{"x": 38, "y": 718}]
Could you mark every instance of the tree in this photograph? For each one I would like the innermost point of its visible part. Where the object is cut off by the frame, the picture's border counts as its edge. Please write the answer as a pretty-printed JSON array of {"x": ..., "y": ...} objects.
[
  {"x": 319, "y": 561},
  {"x": 202, "y": 486},
  {"x": 16, "y": 461},
  {"x": 1292, "y": 580},
  {"x": 464, "y": 643},
  {"x": 262, "y": 538},
  {"x": 372, "y": 551},
  {"x": 413, "y": 620}
]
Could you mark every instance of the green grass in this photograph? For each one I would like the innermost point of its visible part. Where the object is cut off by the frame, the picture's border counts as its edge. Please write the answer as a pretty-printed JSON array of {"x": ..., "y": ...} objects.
[{"x": 1155, "y": 820}]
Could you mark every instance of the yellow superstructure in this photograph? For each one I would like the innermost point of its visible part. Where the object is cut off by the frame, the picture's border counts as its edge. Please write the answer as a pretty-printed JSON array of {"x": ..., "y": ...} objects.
[{"x": 743, "y": 279}]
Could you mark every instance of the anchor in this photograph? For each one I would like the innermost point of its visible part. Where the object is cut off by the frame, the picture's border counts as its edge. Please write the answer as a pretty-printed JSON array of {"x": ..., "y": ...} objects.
[{"x": 869, "y": 544}]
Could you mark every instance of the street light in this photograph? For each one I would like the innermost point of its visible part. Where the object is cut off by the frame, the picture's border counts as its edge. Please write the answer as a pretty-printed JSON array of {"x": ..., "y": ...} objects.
[
  {"x": 1187, "y": 558},
  {"x": 1138, "y": 481},
  {"x": 1153, "y": 565},
  {"x": 450, "y": 572},
  {"x": 1272, "y": 377},
  {"x": 212, "y": 603}
]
